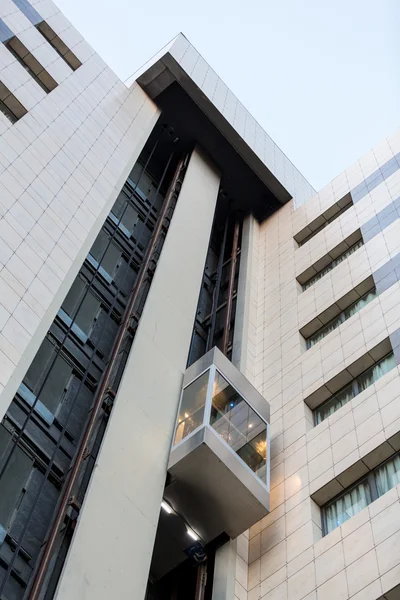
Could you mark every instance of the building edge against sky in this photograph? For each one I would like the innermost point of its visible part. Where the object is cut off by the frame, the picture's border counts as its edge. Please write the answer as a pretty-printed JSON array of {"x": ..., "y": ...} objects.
[{"x": 141, "y": 225}]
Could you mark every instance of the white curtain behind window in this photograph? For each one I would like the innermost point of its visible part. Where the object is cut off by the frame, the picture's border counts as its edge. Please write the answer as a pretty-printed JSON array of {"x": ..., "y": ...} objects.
[
  {"x": 347, "y": 506},
  {"x": 376, "y": 372},
  {"x": 388, "y": 475},
  {"x": 327, "y": 409}
]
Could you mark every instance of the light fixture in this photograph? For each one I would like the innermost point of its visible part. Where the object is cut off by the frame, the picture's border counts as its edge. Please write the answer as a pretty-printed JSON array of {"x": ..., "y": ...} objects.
[
  {"x": 250, "y": 425},
  {"x": 166, "y": 507},
  {"x": 186, "y": 415},
  {"x": 193, "y": 535}
]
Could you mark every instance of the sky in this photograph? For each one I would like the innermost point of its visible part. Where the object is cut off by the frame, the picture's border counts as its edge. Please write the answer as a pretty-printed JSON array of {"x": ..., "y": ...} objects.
[{"x": 321, "y": 77}]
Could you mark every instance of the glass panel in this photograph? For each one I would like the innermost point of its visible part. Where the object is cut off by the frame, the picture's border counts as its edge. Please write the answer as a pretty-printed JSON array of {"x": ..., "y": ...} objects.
[
  {"x": 87, "y": 310},
  {"x": 348, "y": 252},
  {"x": 111, "y": 256},
  {"x": 191, "y": 412},
  {"x": 127, "y": 214},
  {"x": 346, "y": 314},
  {"x": 40, "y": 366},
  {"x": 363, "y": 381},
  {"x": 55, "y": 378},
  {"x": 351, "y": 310},
  {"x": 14, "y": 476},
  {"x": 328, "y": 408},
  {"x": 239, "y": 425},
  {"x": 333, "y": 264},
  {"x": 388, "y": 475},
  {"x": 318, "y": 276},
  {"x": 376, "y": 372},
  {"x": 347, "y": 506},
  {"x": 324, "y": 332}
]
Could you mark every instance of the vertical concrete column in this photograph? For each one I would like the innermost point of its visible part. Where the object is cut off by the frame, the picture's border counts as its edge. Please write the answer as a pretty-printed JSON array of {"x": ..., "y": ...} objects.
[
  {"x": 111, "y": 551},
  {"x": 231, "y": 565},
  {"x": 224, "y": 572},
  {"x": 244, "y": 338}
]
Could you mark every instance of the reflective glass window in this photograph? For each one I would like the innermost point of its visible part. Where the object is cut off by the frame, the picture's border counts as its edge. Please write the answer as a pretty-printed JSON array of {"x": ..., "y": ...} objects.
[
  {"x": 379, "y": 481},
  {"x": 348, "y": 505},
  {"x": 191, "y": 411},
  {"x": 333, "y": 404},
  {"x": 388, "y": 475},
  {"x": 47, "y": 378},
  {"x": 124, "y": 212},
  {"x": 106, "y": 254},
  {"x": 14, "y": 477},
  {"x": 333, "y": 264},
  {"x": 341, "y": 318},
  {"x": 356, "y": 387},
  {"x": 82, "y": 307},
  {"x": 239, "y": 425}
]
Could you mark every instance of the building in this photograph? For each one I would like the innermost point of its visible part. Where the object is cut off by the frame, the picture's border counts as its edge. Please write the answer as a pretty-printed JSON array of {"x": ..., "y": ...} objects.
[{"x": 198, "y": 352}]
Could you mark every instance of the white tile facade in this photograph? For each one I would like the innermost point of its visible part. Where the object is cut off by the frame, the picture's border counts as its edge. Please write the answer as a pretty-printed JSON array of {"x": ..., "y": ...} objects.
[
  {"x": 288, "y": 557},
  {"x": 61, "y": 168}
]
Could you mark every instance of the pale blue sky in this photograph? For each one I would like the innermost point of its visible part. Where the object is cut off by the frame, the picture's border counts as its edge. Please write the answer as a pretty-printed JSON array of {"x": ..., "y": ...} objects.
[{"x": 322, "y": 78}]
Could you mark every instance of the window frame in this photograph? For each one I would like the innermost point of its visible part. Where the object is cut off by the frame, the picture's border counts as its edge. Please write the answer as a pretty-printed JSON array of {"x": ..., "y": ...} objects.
[
  {"x": 354, "y": 384},
  {"x": 340, "y": 316},
  {"x": 373, "y": 489},
  {"x": 10, "y": 113},
  {"x": 21, "y": 59},
  {"x": 331, "y": 266},
  {"x": 325, "y": 224},
  {"x": 68, "y": 56},
  {"x": 341, "y": 207}
]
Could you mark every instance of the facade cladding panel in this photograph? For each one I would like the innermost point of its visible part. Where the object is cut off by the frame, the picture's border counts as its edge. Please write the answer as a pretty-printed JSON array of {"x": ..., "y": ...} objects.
[{"x": 83, "y": 178}]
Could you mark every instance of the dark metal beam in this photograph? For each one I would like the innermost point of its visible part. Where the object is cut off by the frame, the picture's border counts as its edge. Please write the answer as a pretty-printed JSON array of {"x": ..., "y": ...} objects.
[{"x": 231, "y": 283}]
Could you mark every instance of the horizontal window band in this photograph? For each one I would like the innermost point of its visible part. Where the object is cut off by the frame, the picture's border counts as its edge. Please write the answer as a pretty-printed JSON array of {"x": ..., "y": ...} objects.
[
  {"x": 374, "y": 484},
  {"x": 334, "y": 311},
  {"x": 324, "y": 219},
  {"x": 10, "y": 106},
  {"x": 351, "y": 372},
  {"x": 354, "y": 473},
  {"x": 333, "y": 258},
  {"x": 354, "y": 388},
  {"x": 354, "y": 195},
  {"x": 31, "y": 64},
  {"x": 58, "y": 45}
]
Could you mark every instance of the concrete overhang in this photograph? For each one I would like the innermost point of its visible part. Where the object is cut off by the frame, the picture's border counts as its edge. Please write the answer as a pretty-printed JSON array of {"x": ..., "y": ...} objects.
[{"x": 180, "y": 62}]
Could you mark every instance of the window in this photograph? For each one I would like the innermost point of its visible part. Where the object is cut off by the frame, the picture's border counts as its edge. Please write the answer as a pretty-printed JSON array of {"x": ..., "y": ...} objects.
[
  {"x": 358, "y": 385},
  {"x": 14, "y": 477},
  {"x": 124, "y": 215},
  {"x": 191, "y": 411},
  {"x": 30, "y": 64},
  {"x": 107, "y": 254},
  {"x": 379, "y": 481},
  {"x": 47, "y": 379},
  {"x": 324, "y": 219},
  {"x": 59, "y": 46},
  {"x": 81, "y": 306},
  {"x": 332, "y": 264},
  {"x": 341, "y": 318},
  {"x": 239, "y": 425},
  {"x": 9, "y": 105}
]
